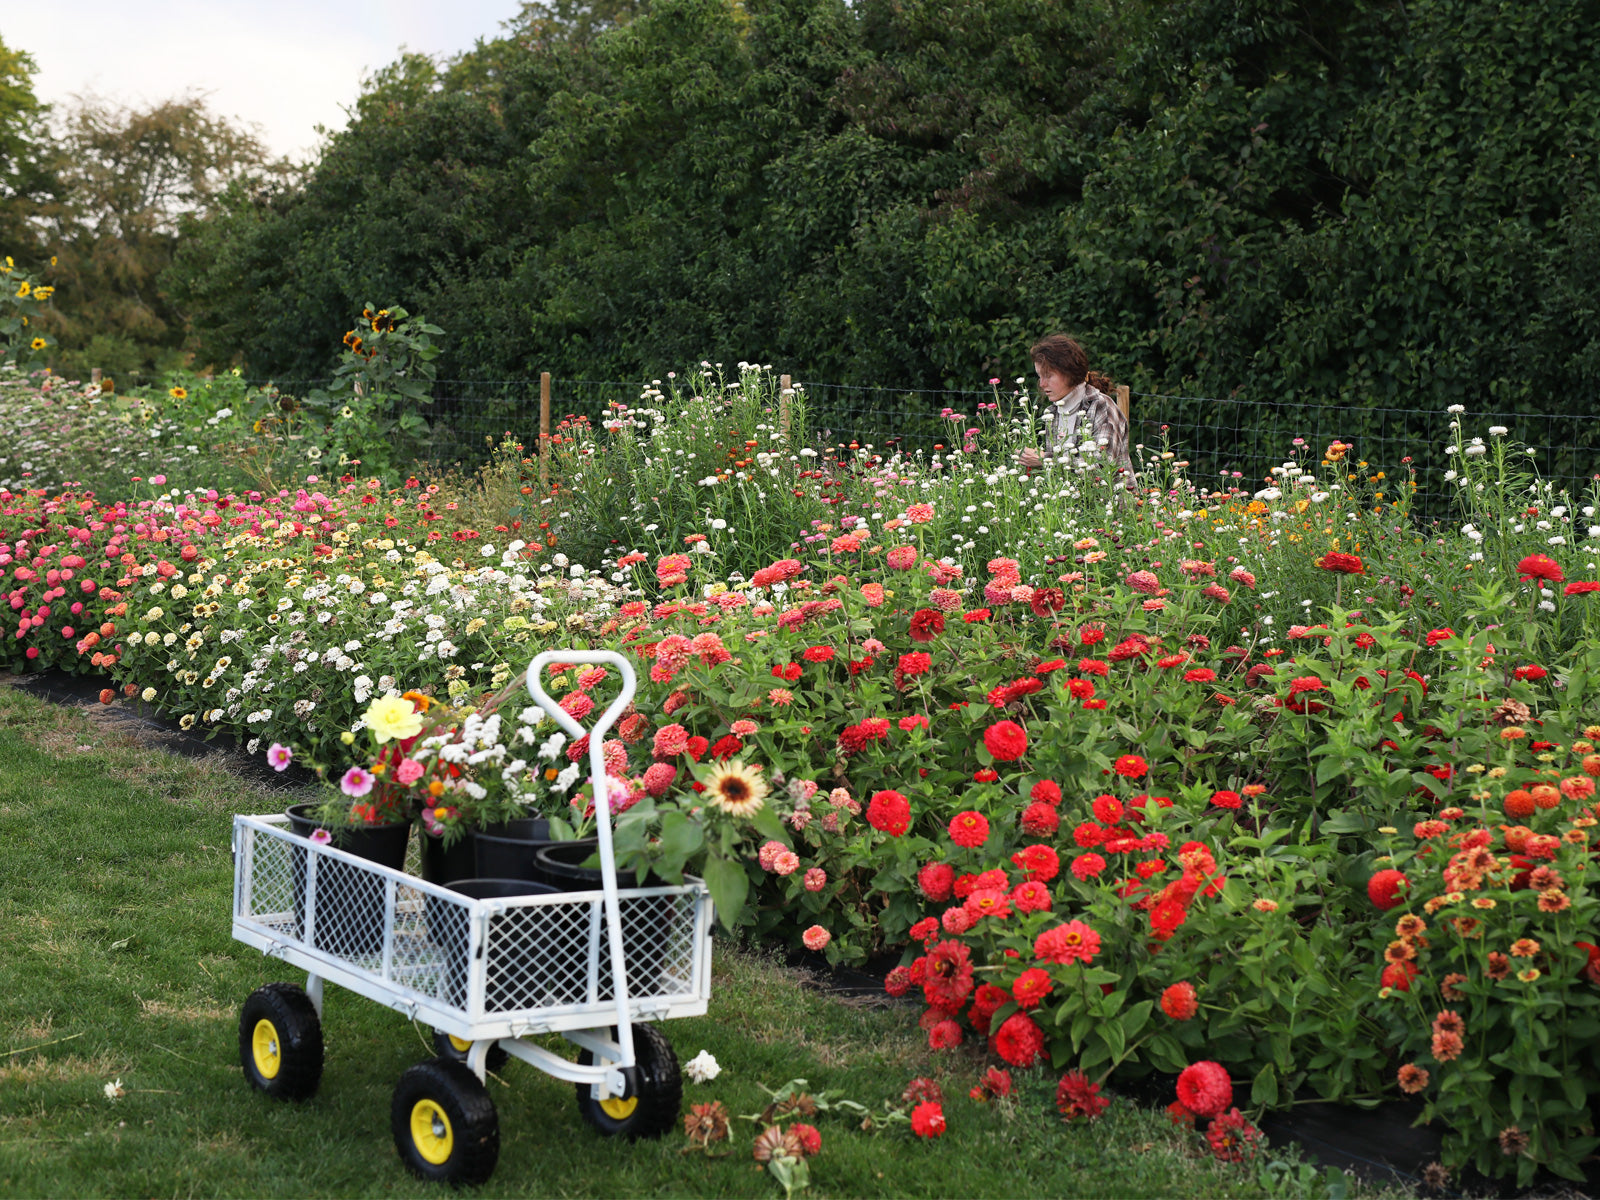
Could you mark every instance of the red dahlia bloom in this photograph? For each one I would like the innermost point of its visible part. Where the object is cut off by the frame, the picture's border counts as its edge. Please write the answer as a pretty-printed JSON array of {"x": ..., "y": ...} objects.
[
  {"x": 1006, "y": 741},
  {"x": 1179, "y": 1001},
  {"x": 1076, "y": 1097},
  {"x": 1204, "y": 1088},
  {"x": 1540, "y": 566},
  {"x": 969, "y": 829}
]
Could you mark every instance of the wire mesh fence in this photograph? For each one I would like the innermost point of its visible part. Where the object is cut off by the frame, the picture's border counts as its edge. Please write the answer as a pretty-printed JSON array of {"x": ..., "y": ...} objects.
[{"x": 1216, "y": 435}]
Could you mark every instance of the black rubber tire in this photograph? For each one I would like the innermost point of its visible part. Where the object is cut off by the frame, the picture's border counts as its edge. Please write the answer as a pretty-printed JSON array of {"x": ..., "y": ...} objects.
[
  {"x": 474, "y": 1126},
  {"x": 660, "y": 1090},
  {"x": 445, "y": 1048},
  {"x": 297, "y": 1041}
]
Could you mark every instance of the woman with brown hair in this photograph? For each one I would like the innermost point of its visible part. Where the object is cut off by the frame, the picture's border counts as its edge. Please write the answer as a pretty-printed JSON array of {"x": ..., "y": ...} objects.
[{"x": 1082, "y": 420}]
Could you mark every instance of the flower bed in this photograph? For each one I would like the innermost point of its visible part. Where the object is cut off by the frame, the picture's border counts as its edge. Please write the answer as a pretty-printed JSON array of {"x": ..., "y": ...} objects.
[{"x": 1122, "y": 821}]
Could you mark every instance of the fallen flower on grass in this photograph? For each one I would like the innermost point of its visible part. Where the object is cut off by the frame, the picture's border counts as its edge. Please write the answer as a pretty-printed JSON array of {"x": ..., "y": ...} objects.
[{"x": 702, "y": 1068}]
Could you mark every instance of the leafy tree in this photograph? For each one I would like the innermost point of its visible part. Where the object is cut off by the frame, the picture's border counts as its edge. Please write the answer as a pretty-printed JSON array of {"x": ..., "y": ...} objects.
[
  {"x": 129, "y": 180},
  {"x": 26, "y": 183}
]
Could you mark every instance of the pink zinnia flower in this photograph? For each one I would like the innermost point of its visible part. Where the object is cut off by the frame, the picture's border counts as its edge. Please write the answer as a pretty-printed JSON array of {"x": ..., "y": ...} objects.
[
  {"x": 408, "y": 772},
  {"x": 816, "y": 938}
]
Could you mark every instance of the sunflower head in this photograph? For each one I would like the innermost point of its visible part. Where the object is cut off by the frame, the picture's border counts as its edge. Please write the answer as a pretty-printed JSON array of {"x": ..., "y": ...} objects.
[
  {"x": 178, "y": 393},
  {"x": 38, "y": 343},
  {"x": 736, "y": 789}
]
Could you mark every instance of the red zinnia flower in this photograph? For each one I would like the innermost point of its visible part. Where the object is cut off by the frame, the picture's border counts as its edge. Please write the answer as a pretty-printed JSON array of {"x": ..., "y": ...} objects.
[
  {"x": 1200, "y": 675},
  {"x": 1232, "y": 1138},
  {"x": 1107, "y": 809},
  {"x": 818, "y": 654},
  {"x": 1019, "y": 1041},
  {"x": 1344, "y": 564},
  {"x": 1226, "y": 799},
  {"x": 1031, "y": 896},
  {"x": 1077, "y": 1097},
  {"x": 1088, "y": 866},
  {"x": 1204, "y": 1088},
  {"x": 1130, "y": 766},
  {"x": 926, "y": 624},
  {"x": 1580, "y": 587},
  {"x": 947, "y": 981},
  {"x": 1041, "y": 863},
  {"x": 1032, "y": 986},
  {"x": 944, "y": 1035},
  {"x": 1179, "y": 1001},
  {"x": 1046, "y": 792},
  {"x": 1072, "y": 942},
  {"x": 936, "y": 880},
  {"x": 1540, "y": 566},
  {"x": 1040, "y": 819},
  {"x": 1305, "y": 683},
  {"x": 1533, "y": 672},
  {"x": 1006, "y": 741},
  {"x": 1387, "y": 888},
  {"x": 1435, "y": 636},
  {"x": 890, "y": 812},
  {"x": 969, "y": 829},
  {"x": 927, "y": 1120}
]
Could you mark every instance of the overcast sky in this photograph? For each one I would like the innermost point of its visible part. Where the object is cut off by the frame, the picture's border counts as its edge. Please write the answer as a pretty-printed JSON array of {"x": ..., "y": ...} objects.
[{"x": 285, "y": 65}]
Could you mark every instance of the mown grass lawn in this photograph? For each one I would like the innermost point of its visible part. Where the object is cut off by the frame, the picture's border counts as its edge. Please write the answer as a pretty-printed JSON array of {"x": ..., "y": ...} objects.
[{"x": 116, "y": 964}]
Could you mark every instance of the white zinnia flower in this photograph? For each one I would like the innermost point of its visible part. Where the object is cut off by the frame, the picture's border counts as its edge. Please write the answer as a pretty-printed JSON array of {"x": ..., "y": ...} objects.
[{"x": 702, "y": 1068}]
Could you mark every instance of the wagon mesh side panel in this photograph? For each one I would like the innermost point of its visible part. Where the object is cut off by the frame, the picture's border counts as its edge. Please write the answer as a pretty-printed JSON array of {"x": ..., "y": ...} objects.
[{"x": 553, "y": 955}]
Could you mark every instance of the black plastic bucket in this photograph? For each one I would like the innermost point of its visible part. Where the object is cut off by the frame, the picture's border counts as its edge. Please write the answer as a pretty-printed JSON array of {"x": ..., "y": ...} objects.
[
  {"x": 350, "y": 902},
  {"x": 518, "y": 948},
  {"x": 646, "y": 922},
  {"x": 510, "y": 851}
]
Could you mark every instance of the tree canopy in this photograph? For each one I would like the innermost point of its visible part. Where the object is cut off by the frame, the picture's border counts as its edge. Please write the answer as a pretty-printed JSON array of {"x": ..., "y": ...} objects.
[{"x": 1368, "y": 201}]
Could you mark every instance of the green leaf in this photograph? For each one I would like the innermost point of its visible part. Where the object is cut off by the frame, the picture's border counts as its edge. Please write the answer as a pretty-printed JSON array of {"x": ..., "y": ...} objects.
[
  {"x": 729, "y": 885},
  {"x": 1264, "y": 1089}
]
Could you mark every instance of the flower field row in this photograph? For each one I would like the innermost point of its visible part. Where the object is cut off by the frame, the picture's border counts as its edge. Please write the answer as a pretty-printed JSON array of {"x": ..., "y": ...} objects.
[{"x": 1125, "y": 819}]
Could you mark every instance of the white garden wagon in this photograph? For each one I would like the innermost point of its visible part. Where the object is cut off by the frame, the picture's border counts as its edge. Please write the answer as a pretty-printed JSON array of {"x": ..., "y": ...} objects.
[{"x": 489, "y": 975}]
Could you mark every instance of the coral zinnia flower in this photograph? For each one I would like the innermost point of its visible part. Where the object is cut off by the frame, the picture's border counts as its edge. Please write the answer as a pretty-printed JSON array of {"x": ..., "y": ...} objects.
[
  {"x": 1524, "y": 948},
  {"x": 1031, "y": 987},
  {"x": 1179, "y": 1001},
  {"x": 736, "y": 789},
  {"x": 1540, "y": 566}
]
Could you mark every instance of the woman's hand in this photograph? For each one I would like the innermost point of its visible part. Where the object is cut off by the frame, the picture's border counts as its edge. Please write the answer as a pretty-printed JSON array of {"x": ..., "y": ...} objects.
[{"x": 1030, "y": 458}]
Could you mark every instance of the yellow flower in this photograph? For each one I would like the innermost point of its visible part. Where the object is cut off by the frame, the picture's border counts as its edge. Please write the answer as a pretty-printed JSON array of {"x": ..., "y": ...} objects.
[
  {"x": 178, "y": 393},
  {"x": 43, "y": 293},
  {"x": 736, "y": 789},
  {"x": 38, "y": 343},
  {"x": 24, "y": 288},
  {"x": 392, "y": 718}
]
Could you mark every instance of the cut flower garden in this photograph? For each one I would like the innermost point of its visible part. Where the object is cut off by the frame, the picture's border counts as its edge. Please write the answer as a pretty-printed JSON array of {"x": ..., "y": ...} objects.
[{"x": 1272, "y": 790}]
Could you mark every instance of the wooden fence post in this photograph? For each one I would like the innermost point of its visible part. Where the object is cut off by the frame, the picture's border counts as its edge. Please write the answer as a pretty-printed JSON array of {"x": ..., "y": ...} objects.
[
  {"x": 1122, "y": 399},
  {"x": 544, "y": 431},
  {"x": 785, "y": 390}
]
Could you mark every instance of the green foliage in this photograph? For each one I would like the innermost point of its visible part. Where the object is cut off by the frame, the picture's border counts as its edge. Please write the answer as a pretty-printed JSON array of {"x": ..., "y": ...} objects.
[{"x": 22, "y": 339}]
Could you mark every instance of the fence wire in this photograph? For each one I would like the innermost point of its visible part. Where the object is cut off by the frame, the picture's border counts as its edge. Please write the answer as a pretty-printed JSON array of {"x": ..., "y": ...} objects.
[{"x": 1218, "y": 436}]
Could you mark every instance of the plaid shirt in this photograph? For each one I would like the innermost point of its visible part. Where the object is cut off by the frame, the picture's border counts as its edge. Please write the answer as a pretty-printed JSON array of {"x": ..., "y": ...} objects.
[{"x": 1105, "y": 431}]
